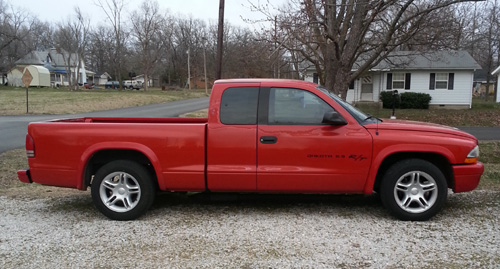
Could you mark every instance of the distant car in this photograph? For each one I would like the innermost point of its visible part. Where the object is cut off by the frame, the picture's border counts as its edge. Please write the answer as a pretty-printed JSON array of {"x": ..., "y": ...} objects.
[
  {"x": 112, "y": 85},
  {"x": 132, "y": 84},
  {"x": 88, "y": 86}
]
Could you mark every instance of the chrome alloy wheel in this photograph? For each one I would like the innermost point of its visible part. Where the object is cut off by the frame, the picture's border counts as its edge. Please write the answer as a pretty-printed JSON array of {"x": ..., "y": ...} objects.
[
  {"x": 415, "y": 192},
  {"x": 120, "y": 192}
]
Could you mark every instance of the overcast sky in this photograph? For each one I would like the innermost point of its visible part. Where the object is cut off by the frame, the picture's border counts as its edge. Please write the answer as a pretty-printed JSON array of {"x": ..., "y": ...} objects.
[{"x": 58, "y": 10}]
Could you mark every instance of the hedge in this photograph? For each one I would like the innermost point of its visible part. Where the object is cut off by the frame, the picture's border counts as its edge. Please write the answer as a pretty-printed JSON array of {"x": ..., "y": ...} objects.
[{"x": 406, "y": 100}]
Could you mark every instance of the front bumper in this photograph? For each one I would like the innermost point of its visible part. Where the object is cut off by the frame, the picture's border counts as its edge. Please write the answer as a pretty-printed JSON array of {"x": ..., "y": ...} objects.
[
  {"x": 467, "y": 176},
  {"x": 24, "y": 176}
]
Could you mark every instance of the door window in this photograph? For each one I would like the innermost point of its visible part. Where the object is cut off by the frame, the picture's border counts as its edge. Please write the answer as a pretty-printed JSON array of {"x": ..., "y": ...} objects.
[{"x": 296, "y": 107}]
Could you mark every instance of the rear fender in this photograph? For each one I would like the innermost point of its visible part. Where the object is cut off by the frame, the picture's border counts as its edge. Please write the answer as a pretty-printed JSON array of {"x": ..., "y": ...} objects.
[{"x": 90, "y": 151}]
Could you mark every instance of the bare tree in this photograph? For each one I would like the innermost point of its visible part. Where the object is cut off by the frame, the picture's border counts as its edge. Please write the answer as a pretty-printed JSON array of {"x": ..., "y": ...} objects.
[
  {"x": 345, "y": 38},
  {"x": 16, "y": 31},
  {"x": 113, "y": 10},
  {"x": 148, "y": 31},
  {"x": 72, "y": 38},
  {"x": 100, "y": 53},
  {"x": 489, "y": 44}
]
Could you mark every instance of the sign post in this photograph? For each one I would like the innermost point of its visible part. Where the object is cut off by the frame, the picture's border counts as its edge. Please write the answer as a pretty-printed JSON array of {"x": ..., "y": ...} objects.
[{"x": 27, "y": 78}]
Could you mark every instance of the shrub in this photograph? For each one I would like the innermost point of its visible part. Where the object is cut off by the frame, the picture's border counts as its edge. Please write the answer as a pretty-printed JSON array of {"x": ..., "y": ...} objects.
[
  {"x": 386, "y": 98},
  {"x": 406, "y": 100},
  {"x": 415, "y": 100}
]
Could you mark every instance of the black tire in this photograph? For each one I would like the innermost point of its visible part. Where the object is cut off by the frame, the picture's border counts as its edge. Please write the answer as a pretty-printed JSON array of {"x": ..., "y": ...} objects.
[
  {"x": 123, "y": 190},
  {"x": 413, "y": 190}
]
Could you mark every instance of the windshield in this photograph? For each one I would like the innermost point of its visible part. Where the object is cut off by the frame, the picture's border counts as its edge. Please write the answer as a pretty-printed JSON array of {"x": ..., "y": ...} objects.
[{"x": 361, "y": 117}]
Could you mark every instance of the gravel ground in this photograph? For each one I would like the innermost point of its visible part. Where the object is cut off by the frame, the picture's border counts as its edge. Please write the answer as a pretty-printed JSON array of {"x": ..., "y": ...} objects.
[{"x": 62, "y": 229}]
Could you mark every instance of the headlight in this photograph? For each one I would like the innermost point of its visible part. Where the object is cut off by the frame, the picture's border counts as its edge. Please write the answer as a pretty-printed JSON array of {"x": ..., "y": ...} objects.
[{"x": 473, "y": 155}]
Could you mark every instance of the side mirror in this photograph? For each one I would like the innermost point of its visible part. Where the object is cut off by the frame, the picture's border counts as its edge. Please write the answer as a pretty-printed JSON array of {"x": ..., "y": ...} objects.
[{"x": 334, "y": 118}]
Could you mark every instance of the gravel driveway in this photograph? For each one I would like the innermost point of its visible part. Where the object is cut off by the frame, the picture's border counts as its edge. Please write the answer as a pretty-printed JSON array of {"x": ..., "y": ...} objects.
[{"x": 62, "y": 229}]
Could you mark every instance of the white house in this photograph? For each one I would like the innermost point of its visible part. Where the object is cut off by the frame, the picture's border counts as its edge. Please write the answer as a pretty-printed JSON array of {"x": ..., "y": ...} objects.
[
  {"x": 56, "y": 61},
  {"x": 140, "y": 78},
  {"x": 101, "y": 79},
  {"x": 446, "y": 75},
  {"x": 496, "y": 72}
]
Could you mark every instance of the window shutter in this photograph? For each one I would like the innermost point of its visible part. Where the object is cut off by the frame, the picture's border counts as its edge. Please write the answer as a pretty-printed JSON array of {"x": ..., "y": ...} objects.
[
  {"x": 451, "y": 80},
  {"x": 407, "y": 81},
  {"x": 432, "y": 82},
  {"x": 389, "y": 81},
  {"x": 351, "y": 85}
]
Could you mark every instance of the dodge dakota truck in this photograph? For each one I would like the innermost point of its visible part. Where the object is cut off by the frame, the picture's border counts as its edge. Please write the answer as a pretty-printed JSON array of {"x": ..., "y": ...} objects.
[{"x": 261, "y": 135}]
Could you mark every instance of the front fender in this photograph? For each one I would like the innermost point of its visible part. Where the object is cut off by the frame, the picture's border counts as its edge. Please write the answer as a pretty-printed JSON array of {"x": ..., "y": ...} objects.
[{"x": 402, "y": 148}]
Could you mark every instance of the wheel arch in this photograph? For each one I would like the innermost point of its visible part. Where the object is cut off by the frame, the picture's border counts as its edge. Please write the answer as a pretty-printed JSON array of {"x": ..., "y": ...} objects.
[
  {"x": 437, "y": 159},
  {"x": 98, "y": 155}
]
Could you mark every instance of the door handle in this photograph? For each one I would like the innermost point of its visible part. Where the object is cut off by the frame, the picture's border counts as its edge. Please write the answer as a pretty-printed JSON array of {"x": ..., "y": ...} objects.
[{"x": 268, "y": 139}]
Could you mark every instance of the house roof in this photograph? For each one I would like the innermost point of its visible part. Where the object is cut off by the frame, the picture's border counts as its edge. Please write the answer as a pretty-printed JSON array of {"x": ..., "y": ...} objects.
[
  {"x": 103, "y": 74},
  {"x": 455, "y": 60},
  {"x": 52, "y": 59}
]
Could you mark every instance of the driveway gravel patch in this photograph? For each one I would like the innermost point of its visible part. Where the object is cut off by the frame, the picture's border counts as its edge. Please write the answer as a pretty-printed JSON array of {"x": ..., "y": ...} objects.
[{"x": 249, "y": 231}]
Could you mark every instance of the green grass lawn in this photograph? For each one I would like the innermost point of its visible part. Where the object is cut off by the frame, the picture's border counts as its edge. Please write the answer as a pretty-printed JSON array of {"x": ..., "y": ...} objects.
[
  {"x": 483, "y": 113},
  {"x": 63, "y": 101}
]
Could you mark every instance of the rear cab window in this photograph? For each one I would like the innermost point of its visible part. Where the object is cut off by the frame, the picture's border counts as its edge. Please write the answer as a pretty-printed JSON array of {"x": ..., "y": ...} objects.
[{"x": 239, "y": 106}]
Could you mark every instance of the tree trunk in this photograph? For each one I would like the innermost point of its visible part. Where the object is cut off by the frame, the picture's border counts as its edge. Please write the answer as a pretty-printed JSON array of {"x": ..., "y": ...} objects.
[{"x": 146, "y": 81}]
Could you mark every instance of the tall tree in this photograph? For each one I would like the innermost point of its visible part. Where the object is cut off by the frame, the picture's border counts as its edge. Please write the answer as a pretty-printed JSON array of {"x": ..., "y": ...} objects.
[
  {"x": 149, "y": 27},
  {"x": 72, "y": 38},
  {"x": 100, "y": 54},
  {"x": 345, "y": 38},
  {"x": 16, "y": 32},
  {"x": 114, "y": 12}
]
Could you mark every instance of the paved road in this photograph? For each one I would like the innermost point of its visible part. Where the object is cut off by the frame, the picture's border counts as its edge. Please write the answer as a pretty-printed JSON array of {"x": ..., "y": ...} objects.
[
  {"x": 13, "y": 128},
  {"x": 483, "y": 133}
]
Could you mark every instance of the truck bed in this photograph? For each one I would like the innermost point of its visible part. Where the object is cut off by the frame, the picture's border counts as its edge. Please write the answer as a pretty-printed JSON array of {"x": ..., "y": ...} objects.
[
  {"x": 175, "y": 146},
  {"x": 134, "y": 120}
]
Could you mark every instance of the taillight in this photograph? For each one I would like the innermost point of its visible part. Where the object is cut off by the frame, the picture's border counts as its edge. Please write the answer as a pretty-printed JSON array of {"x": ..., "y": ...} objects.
[{"x": 30, "y": 146}]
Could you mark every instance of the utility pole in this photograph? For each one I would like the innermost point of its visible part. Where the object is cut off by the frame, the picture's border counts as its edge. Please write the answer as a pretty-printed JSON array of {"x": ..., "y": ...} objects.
[
  {"x": 220, "y": 37},
  {"x": 205, "y": 68},
  {"x": 189, "y": 71}
]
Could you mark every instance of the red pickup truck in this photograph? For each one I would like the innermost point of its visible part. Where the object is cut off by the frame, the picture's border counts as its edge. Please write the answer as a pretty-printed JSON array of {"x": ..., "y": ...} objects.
[{"x": 261, "y": 135}]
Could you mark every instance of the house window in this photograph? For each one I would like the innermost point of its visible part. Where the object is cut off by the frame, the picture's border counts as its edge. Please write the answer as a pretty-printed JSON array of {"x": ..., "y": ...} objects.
[
  {"x": 398, "y": 81},
  {"x": 441, "y": 81}
]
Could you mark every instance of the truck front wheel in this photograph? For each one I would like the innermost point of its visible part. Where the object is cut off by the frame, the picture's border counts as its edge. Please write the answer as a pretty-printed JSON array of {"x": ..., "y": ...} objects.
[
  {"x": 414, "y": 189},
  {"x": 123, "y": 190}
]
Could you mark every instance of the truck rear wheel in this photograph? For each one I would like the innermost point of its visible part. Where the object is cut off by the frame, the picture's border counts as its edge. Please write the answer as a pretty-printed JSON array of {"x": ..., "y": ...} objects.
[
  {"x": 123, "y": 190},
  {"x": 414, "y": 189}
]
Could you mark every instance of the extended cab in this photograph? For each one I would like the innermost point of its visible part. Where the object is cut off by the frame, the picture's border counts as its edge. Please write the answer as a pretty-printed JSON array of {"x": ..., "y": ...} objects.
[{"x": 261, "y": 135}]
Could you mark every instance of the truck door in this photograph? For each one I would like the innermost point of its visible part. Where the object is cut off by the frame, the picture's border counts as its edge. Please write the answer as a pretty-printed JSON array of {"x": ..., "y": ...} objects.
[
  {"x": 297, "y": 153},
  {"x": 231, "y": 136}
]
